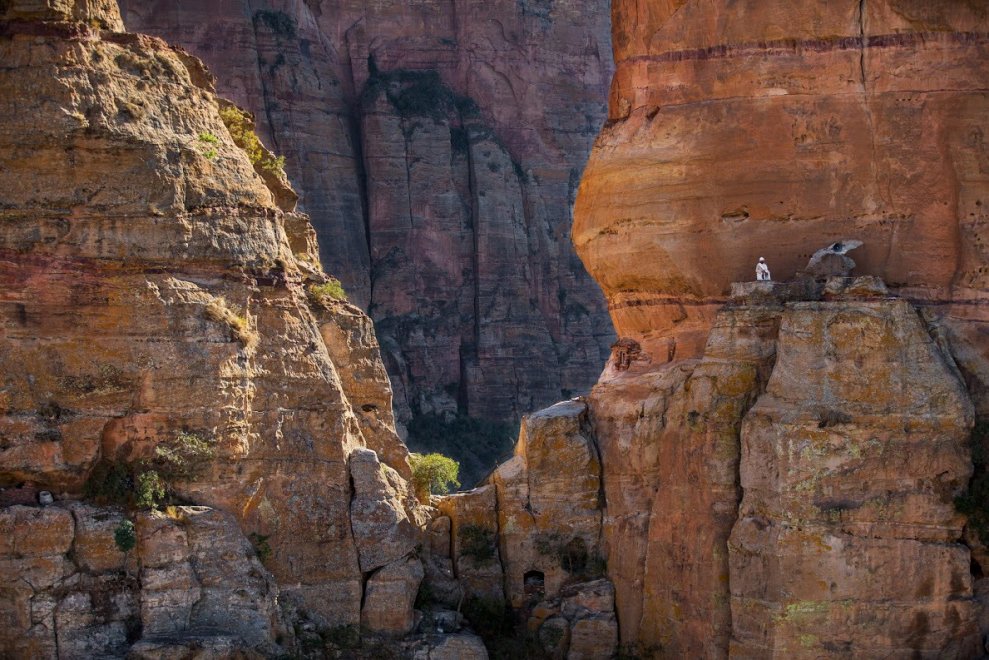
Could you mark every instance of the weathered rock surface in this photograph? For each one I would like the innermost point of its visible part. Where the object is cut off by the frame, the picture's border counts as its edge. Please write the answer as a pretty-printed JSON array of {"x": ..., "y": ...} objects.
[
  {"x": 668, "y": 435},
  {"x": 379, "y": 512},
  {"x": 437, "y": 146},
  {"x": 69, "y": 592},
  {"x": 461, "y": 646},
  {"x": 389, "y": 596},
  {"x": 549, "y": 504},
  {"x": 847, "y": 537},
  {"x": 747, "y": 129},
  {"x": 474, "y": 542},
  {"x": 153, "y": 292}
]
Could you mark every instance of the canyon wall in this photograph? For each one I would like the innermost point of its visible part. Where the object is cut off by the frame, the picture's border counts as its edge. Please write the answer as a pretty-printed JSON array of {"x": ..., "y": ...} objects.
[
  {"x": 748, "y": 129},
  {"x": 437, "y": 147},
  {"x": 781, "y": 461},
  {"x": 164, "y": 337}
]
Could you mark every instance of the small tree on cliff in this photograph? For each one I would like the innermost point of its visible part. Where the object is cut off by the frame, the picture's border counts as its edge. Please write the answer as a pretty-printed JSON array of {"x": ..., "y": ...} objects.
[{"x": 433, "y": 474}]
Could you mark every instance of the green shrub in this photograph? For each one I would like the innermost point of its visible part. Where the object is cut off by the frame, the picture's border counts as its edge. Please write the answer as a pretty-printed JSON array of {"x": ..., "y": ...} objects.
[
  {"x": 125, "y": 536},
  {"x": 150, "y": 489},
  {"x": 274, "y": 165},
  {"x": 241, "y": 128},
  {"x": 433, "y": 474},
  {"x": 208, "y": 138},
  {"x": 322, "y": 293},
  {"x": 147, "y": 483},
  {"x": 478, "y": 445},
  {"x": 183, "y": 457},
  {"x": 477, "y": 542},
  {"x": 109, "y": 483}
]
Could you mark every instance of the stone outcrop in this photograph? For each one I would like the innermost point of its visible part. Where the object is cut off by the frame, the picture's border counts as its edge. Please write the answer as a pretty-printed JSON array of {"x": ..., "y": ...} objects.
[
  {"x": 668, "y": 435},
  {"x": 68, "y": 591},
  {"x": 780, "y": 461},
  {"x": 473, "y": 542},
  {"x": 740, "y": 130},
  {"x": 791, "y": 493},
  {"x": 163, "y": 335},
  {"x": 437, "y": 147},
  {"x": 847, "y": 538},
  {"x": 389, "y": 596},
  {"x": 533, "y": 538},
  {"x": 549, "y": 503},
  {"x": 815, "y": 518}
]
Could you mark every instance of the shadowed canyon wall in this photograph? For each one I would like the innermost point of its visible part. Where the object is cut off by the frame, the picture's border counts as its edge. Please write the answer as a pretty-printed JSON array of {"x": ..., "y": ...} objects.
[{"x": 437, "y": 147}]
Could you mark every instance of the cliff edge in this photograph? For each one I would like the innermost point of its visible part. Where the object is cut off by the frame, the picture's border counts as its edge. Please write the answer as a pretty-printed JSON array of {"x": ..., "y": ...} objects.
[{"x": 168, "y": 338}]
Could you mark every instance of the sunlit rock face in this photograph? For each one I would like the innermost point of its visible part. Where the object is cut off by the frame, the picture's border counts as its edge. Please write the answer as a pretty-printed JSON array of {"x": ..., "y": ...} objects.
[
  {"x": 437, "y": 147},
  {"x": 750, "y": 435},
  {"x": 747, "y": 129},
  {"x": 156, "y": 288}
]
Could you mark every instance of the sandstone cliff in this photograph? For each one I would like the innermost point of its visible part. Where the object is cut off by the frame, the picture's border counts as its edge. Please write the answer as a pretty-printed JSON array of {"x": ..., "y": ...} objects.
[
  {"x": 740, "y": 130},
  {"x": 437, "y": 147},
  {"x": 790, "y": 493},
  {"x": 164, "y": 336},
  {"x": 780, "y": 475}
]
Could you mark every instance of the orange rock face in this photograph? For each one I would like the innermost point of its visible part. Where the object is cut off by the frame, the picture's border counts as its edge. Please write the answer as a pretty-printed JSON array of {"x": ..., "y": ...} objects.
[
  {"x": 747, "y": 129},
  {"x": 155, "y": 286},
  {"x": 751, "y": 129}
]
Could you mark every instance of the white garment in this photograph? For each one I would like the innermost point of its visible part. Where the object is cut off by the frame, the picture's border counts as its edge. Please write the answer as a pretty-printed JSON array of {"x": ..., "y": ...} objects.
[{"x": 762, "y": 271}]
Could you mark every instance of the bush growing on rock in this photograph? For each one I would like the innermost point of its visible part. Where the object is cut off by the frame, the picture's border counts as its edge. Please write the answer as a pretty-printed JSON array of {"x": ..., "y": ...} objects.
[
  {"x": 125, "y": 536},
  {"x": 433, "y": 474},
  {"x": 218, "y": 310},
  {"x": 478, "y": 445},
  {"x": 323, "y": 293},
  {"x": 150, "y": 489},
  {"x": 241, "y": 128},
  {"x": 185, "y": 456},
  {"x": 147, "y": 483}
]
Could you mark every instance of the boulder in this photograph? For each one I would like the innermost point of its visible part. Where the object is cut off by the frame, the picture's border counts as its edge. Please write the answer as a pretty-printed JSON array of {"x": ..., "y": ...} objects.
[
  {"x": 382, "y": 529},
  {"x": 389, "y": 596}
]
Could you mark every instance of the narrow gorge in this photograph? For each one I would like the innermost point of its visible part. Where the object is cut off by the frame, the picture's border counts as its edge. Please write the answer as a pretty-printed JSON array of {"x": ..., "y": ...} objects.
[{"x": 437, "y": 147}]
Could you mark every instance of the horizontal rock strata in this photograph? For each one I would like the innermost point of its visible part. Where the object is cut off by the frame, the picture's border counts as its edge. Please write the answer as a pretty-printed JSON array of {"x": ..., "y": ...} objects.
[
  {"x": 164, "y": 335},
  {"x": 741, "y": 130}
]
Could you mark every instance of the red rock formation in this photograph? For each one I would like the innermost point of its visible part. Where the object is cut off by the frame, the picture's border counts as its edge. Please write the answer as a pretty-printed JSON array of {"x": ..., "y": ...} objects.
[
  {"x": 157, "y": 313},
  {"x": 756, "y": 128},
  {"x": 780, "y": 471},
  {"x": 749, "y": 129},
  {"x": 444, "y": 211}
]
